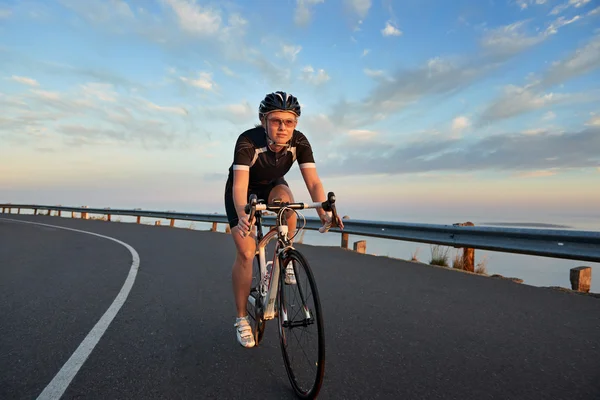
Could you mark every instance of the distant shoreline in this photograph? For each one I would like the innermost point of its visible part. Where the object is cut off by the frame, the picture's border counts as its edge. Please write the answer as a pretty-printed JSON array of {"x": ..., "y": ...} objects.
[{"x": 528, "y": 224}]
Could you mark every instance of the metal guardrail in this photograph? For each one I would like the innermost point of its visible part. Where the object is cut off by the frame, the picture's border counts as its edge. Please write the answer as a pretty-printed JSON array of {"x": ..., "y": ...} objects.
[{"x": 566, "y": 244}]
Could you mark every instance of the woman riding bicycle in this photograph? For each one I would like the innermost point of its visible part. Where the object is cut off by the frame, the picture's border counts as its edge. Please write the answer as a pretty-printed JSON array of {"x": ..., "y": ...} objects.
[{"x": 262, "y": 157}]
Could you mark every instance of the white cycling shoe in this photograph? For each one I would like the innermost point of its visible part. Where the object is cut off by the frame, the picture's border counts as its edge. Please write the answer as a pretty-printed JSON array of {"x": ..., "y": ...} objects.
[{"x": 244, "y": 332}]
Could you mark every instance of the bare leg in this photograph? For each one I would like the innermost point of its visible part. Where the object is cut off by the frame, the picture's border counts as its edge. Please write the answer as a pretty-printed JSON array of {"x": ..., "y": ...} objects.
[
  {"x": 241, "y": 274},
  {"x": 285, "y": 194}
]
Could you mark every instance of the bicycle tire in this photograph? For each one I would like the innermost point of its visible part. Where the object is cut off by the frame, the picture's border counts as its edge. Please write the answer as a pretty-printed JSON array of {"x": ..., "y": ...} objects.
[
  {"x": 256, "y": 313},
  {"x": 315, "y": 381}
]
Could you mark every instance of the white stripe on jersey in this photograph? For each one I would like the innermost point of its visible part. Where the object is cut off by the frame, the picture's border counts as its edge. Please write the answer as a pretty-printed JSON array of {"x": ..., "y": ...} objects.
[
  {"x": 256, "y": 153},
  {"x": 308, "y": 165},
  {"x": 241, "y": 167}
]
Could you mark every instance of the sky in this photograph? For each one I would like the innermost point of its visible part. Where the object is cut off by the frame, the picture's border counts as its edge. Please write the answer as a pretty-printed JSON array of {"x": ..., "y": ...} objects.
[{"x": 417, "y": 110}]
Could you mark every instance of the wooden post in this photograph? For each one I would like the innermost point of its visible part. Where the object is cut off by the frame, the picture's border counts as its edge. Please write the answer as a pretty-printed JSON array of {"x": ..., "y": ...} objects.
[
  {"x": 360, "y": 246},
  {"x": 139, "y": 219},
  {"x": 172, "y": 224},
  {"x": 35, "y": 211},
  {"x": 345, "y": 240},
  {"x": 59, "y": 213},
  {"x": 468, "y": 256},
  {"x": 581, "y": 278},
  {"x": 49, "y": 212},
  {"x": 345, "y": 236},
  {"x": 19, "y": 210},
  {"x": 214, "y": 227},
  {"x": 72, "y": 214},
  {"x": 157, "y": 223},
  {"x": 227, "y": 229}
]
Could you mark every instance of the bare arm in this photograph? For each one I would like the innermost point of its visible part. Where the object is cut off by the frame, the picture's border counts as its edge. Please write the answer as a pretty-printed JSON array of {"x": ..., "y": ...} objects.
[{"x": 240, "y": 191}]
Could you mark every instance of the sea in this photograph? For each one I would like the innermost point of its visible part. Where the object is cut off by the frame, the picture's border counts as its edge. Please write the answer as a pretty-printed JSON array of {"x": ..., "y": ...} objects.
[{"x": 532, "y": 270}]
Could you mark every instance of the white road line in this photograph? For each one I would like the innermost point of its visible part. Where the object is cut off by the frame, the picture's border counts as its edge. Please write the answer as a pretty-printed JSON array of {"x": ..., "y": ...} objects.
[{"x": 61, "y": 381}]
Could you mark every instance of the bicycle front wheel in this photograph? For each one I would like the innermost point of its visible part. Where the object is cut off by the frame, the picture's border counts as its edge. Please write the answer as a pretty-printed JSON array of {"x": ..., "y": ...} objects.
[{"x": 301, "y": 333}]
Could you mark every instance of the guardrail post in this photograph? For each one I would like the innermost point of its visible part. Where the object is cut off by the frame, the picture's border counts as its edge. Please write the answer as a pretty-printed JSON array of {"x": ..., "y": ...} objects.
[
  {"x": 172, "y": 222},
  {"x": 35, "y": 211},
  {"x": 227, "y": 228},
  {"x": 59, "y": 211},
  {"x": 468, "y": 256},
  {"x": 108, "y": 214},
  {"x": 19, "y": 210},
  {"x": 139, "y": 219},
  {"x": 214, "y": 227},
  {"x": 360, "y": 246},
  {"x": 84, "y": 215},
  {"x": 345, "y": 236},
  {"x": 581, "y": 278},
  {"x": 49, "y": 212}
]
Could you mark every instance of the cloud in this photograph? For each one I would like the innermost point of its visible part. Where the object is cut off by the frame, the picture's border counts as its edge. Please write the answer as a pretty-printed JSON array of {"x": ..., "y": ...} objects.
[
  {"x": 362, "y": 134},
  {"x": 227, "y": 71},
  {"x": 595, "y": 11},
  {"x": 523, "y": 4},
  {"x": 438, "y": 76},
  {"x": 5, "y": 13},
  {"x": 582, "y": 61},
  {"x": 505, "y": 152},
  {"x": 518, "y": 100},
  {"x": 93, "y": 113},
  {"x": 359, "y": 7},
  {"x": 290, "y": 52},
  {"x": 390, "y": 30},
  {"x": 560, "y": 22},
  {"x": 549, "y": 116},
  {"x": 460, "y": 123},
  {"x": 192, "y": 18},
  {"x": 594, "y": 121},
  {"x": 204, "y": 81},
  {"x": 24, "y": 80},
  {"x": 508, "y": 40},
  {"x": 571, "y": 3},
  {"x": 302, "y": 13},
  {"x": 242, "y": 113},
  {"x": 365, "y": 52},
  {"x": 315, "y": 77},
  {"x": 536, "y": 174}
]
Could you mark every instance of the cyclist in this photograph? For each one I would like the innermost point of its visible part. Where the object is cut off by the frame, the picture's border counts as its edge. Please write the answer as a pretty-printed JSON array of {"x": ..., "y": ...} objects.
[{"x": 263, "y": 155}]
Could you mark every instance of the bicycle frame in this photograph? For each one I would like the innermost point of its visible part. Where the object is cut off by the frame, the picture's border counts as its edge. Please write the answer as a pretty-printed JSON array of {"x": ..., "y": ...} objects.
[{"x": 269, "y": 280}]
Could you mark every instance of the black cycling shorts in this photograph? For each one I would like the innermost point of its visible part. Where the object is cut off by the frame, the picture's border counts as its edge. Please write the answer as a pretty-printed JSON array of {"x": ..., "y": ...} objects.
[{"x": 262, "y": 192}]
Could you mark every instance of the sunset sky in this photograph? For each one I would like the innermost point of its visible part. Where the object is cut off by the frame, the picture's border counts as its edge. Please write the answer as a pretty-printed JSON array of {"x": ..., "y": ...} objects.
[{"x": 416, "y": 107}]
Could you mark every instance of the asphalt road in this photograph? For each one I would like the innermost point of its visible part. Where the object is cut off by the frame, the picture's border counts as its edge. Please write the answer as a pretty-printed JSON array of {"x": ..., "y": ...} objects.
[{"x": 394, "y": 329}]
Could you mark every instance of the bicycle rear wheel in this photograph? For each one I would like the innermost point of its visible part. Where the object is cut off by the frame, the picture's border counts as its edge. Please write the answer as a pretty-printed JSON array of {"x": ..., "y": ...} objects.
[
  {"x": 256, "y": 312},
  {"x": 301, "y": 333}
]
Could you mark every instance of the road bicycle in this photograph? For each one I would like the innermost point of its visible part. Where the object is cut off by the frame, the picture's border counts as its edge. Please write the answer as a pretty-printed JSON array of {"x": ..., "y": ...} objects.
[{"x": 296, "y": 305}]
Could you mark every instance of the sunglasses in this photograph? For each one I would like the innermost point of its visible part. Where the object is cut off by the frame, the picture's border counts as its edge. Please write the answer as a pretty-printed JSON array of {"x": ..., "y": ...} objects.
[{"x": 289, "y": 123}]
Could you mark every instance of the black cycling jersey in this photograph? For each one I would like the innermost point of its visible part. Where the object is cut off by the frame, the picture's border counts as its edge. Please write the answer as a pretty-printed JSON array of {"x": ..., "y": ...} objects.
[{"x": 266, "y": 166}]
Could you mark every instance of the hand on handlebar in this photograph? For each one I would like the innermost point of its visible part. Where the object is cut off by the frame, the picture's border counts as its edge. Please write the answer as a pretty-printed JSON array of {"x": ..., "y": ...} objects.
[
  {"x": 244, "y": 226},
  {"x": 328, "y": 222}
]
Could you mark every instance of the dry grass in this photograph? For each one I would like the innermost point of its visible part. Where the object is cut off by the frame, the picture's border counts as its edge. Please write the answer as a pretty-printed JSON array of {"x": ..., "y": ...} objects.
[
  {"x": 414, "y": 255},
  {"x": 481, "y": 267},
  {"x": 458, "y": 262},
  {"x": 439, "y": 255}
]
